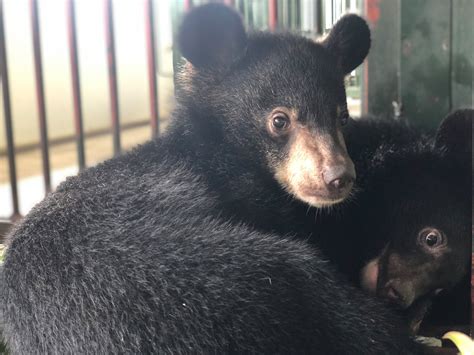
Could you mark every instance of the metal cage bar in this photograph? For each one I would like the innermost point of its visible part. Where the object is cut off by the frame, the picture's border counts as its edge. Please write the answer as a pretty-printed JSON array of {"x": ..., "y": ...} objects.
[
  {"x": 8, "y": 117},
  {"x": 272, "y": 15},
  {"x": 76, "y": 83},
  {"x": 188, "y": 5},
  {"x": 40, "y": 95},
  {"x": 112, "y": 67},
  {"x": 152, "y": 67}
]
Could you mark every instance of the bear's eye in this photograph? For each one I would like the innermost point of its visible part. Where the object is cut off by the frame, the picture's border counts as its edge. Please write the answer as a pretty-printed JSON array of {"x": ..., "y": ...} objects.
[
  {"x": 431, "y": 238},
  {"x": 280, "y": 122}
]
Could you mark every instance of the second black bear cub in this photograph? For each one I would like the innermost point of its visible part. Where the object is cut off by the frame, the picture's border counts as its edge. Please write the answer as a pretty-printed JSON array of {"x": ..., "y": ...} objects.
[
  {"x": 168, "y": 249},
  {"x": 410, "y": 219}
]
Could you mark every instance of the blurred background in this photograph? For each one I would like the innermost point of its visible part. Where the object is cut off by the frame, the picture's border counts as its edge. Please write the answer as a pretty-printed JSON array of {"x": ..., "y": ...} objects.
[{"x": 84, "y": 80}]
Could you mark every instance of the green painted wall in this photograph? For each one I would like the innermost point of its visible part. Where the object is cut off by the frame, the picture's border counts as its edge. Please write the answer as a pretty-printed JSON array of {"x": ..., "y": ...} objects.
[{"x": 422, "y": 58}]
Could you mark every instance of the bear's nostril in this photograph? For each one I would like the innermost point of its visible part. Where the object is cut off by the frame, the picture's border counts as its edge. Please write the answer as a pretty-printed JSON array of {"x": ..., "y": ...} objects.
[
  {"x": 393, "y": 294},
  {"x": 338, "y": 178},
  {"x": 341, "y": 183},
  {"x": 337, "y": 183}
]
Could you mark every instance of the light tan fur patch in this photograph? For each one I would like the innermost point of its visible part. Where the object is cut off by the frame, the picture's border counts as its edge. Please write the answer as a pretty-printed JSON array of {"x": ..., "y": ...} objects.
[{"x": 302, "y": 173}]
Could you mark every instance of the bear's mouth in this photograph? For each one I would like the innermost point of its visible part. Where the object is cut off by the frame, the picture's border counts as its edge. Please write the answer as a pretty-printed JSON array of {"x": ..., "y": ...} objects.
[
  {"x": 317, "y": 198},
  {"x": 319, "y": 201}
]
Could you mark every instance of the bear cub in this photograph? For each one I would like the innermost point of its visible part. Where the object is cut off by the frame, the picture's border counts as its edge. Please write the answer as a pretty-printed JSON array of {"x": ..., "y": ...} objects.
[
  {"x": 181, "y": 246},
  {"x": 405, "y": 235}
]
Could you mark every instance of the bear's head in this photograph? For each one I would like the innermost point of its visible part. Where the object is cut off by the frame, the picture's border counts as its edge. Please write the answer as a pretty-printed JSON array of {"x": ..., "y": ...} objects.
[
  {"x": 275, "y": 101},
  {"x": 422, "y": 219}
]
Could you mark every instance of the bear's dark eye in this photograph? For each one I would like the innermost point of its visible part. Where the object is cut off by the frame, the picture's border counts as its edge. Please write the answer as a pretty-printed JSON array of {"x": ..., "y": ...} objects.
[
  {"x": 280, "y": 122},
  {"x": 431, "y": 238}
]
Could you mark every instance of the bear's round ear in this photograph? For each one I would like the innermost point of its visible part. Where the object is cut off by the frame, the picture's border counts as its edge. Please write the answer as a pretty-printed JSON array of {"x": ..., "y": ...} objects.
[
  {"x": 349, "y": 41},
  {"x": 212, "y": 36},
  {"x": 454, "y": 134}
]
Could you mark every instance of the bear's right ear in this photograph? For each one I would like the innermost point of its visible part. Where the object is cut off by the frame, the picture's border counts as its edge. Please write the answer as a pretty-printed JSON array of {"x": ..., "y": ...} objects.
[
  {"x": 454, "y": 134},
  {"x": 212, "y": 36},
  {"x": 349, "y": 41}
]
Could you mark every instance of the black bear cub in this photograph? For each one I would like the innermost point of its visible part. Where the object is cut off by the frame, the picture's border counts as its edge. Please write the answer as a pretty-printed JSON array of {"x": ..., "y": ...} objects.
[
  {"x": 179, "y": 246},
  {"x": 410, "y": 217}
]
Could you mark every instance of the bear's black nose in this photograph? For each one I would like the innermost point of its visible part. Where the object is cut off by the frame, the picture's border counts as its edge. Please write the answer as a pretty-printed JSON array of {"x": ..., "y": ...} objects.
[
  {"x": 338, "y": 178},
  {"x": 394, "y": 295}
]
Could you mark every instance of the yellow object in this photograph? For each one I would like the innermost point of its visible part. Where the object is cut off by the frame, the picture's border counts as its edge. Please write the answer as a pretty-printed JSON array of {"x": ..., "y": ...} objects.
[{"x": 463, "y": 342}]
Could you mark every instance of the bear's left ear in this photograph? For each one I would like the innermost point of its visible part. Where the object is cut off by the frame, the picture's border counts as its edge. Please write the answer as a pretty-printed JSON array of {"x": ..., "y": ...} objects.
[
  {"x": 454, "y": 134},
  {"x": 212, "y": 36},
  {"x": 349, "y": 41}
]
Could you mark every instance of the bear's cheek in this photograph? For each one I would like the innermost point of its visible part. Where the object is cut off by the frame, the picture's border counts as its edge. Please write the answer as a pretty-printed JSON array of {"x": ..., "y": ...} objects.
[{"x": 369, "y": 276}]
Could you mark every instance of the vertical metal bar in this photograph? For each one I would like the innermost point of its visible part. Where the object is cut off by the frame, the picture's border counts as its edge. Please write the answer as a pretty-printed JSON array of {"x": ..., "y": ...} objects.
[
  {"x": 40, "y": 94},
  {"x": 319, "y": 17},
  {"x": 152, "y": 67},
  {"x": 8, "y": 117},
  {"x": 272, "y": 15},
  {"x": 115, "y": 114},
  {"x": 188, "y": 4},
  {"x": 76, "y": 83}
]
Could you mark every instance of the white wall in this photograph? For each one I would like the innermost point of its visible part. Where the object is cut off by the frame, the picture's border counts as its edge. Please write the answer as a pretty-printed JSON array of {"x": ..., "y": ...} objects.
[{"x": 131, "y": 65}]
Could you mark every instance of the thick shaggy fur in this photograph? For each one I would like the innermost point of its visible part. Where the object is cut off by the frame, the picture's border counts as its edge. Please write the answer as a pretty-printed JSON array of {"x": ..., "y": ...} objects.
[
  {"x": 188, "y": 244},
  {"x": 148, "y": 268}
]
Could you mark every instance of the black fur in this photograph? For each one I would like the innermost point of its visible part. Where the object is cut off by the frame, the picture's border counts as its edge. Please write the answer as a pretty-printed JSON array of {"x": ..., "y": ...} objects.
[
  {"x": 406, "y": 181},
  {"x": 350, "y": 41},
  {"x": 183, "y": 245},
  {"x": 205, "y": 36}
]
